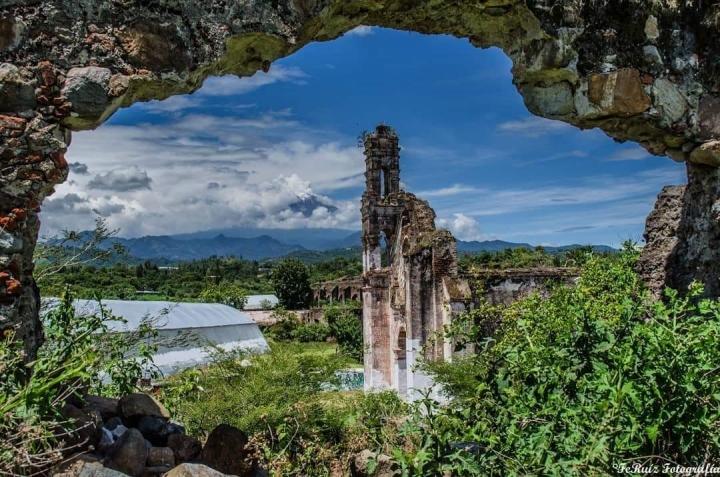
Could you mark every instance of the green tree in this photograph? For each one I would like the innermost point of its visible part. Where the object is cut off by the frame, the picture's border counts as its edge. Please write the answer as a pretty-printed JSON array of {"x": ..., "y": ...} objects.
[
  {"x": 291, "y": 279},
  {"x": 226, "y": 293}
]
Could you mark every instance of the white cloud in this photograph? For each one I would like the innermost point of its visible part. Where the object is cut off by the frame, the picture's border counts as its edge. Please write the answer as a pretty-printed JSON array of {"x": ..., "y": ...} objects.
[
  {"x": 533, "y": 126},
  {"x": 462, "y": 227},
  {"x": 362, "y": 30},
  {"x": 635, "y": 153},
  {"x": 232, "y": 85},
  {"x": 455, "y": 189},
  {"x": 207, "y": 172}
]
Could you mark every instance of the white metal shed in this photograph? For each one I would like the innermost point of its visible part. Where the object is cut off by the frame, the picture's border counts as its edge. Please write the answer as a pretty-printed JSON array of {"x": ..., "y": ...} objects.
[{"x": 201, "y": 325}]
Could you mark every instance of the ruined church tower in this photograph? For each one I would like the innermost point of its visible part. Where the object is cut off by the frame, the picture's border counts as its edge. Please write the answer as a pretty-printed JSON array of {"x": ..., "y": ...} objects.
[{"x": 410, "y": 284}]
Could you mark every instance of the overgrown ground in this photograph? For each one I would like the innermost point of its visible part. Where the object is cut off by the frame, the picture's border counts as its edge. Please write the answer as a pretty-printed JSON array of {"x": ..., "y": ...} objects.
[
  {"x": 592, "y": 379},
  {"x": 587, "y": 381}
]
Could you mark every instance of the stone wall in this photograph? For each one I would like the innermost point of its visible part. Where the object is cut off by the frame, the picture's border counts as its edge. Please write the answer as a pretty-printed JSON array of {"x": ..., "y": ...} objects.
[
  {"x": 640, "y": 71},
  {"x": 502, "y": 287}
]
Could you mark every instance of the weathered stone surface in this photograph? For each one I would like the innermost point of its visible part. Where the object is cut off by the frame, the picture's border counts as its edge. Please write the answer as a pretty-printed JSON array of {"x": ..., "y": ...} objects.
[
  {"x": 85, "y": 424},
  {"x": 652, "y": 55},
  {"x": 707, "y": 153},
  {"x": 185, "y": 448},
  {"x": 225, "y": 451},
  {"x": 88, "y": 90},
  {"x": 10, "y": 243},
  {"x": 136, "y": 405},
  {"x": 155, "y": 47},
  {"x": 129, "y": 454},
  {"x": 668, "y": 101},
  {"x": 194, "y": 470},
  {"x": 160, "y": 456},
  {"x": 552, "y": 101},
  {"x": 680, "y": 233},
  {"x": 652, "y": 32},
  {"x": 155, "y": 429},
  {"x": 661, "y": 238},
  {"x": 618, "y": 93},
  {"x": 16, "y": 91},
  {"x": 107, "y": 407},
  {"x": 82, "y": 468},
  {"x": 709, "y": 115}
]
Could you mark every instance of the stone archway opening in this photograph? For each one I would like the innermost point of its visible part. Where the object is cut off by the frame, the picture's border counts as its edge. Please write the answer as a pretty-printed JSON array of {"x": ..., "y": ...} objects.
[{"x": 68, "y": 66}]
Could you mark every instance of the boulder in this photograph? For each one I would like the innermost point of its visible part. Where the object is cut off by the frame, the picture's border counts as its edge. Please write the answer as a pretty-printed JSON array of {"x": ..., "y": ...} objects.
[
  {"x": 225, "y": 451},
  {"x": 87, "y": 89},
  {"x": 86, "y": 425},
  {"x": 618, "y": 93},
  {"x": 707, "y": 153},
  {"x": 155, "y": 429},
  {"x": 134, "y": 406},
  {"x": 709, "y": 115},
  {"x": 160, "y": 456},
  {"x": 129, "y": 454},
  {"x": 107, "y": 407},
  {"x": 16, "y": 92},
  {"x": 553, "y": 100},
  {"x": 82, "y": 468},
  {"x": 668, "y": 101},
  {"x": 360, "y": 465},
  {"x": 185, "y": 448},
  {"x": 194, "y": 470}
]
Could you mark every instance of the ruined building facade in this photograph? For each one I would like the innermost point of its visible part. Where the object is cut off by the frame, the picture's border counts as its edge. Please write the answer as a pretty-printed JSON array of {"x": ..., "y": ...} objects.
[{"x": 411, "y": 286}]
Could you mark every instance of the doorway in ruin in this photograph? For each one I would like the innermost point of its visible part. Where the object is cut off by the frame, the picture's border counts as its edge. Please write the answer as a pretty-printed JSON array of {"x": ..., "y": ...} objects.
[{"x": 401, "y": 360}]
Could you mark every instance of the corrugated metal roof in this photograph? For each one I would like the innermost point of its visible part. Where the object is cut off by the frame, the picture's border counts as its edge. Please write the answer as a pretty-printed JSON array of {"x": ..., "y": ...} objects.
[
  {"x": 166, "y": 315},
  {"x": 254, "y": 302}
]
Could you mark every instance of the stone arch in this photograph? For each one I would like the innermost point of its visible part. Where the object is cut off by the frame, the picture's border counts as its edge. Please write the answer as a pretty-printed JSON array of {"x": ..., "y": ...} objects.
[{"x": 640, "y": 71}]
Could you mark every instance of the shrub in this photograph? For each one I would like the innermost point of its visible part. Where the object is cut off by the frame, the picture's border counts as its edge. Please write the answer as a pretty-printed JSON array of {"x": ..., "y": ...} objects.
[
  {"x": 278, "y": 398},
  {"x": 307, "y": 333},
  {"x": 591, "y": 379},
  {"x": 77, "y": 354},
  {"x": 346, "y": 327},
  {"x": 286, "y": 322}
]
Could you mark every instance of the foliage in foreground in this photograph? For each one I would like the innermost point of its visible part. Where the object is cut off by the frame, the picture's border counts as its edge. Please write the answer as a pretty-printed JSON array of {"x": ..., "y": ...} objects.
[
  {"x": 593, "y": 378},
  {"x": 280, "y": 399},
  {"x": 79, "y": 353}
]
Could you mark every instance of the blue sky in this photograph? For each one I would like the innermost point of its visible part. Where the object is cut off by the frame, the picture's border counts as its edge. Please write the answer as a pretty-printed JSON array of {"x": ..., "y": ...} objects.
[{"x": 241, "y": 152}]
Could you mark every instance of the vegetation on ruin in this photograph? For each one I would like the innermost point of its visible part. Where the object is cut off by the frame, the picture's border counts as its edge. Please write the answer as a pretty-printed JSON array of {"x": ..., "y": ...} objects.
[{"x": 594, "y": 377}]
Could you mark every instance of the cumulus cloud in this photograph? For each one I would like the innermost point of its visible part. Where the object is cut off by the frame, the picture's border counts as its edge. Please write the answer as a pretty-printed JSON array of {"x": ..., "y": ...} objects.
[
  {"x": 533, "y": 126},
  {"x": 121, "y": 180},
  {"x": 79, "y": 168},
  {"x": 462, "y": 226},
  {"x": 198, "y": 171},
  {"x": 232, "y": 85}
]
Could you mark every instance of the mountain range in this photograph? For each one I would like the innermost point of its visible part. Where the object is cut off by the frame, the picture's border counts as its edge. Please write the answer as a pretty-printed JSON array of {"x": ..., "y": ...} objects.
[{"x": 265, "y": 243}]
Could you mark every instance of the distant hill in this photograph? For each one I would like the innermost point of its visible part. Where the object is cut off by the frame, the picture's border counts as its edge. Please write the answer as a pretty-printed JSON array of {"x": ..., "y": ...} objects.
[
  {"x": 499, "y": 245},
  {"x": 309, "y": 245},
  {"x": 174, "y": 249},
  {"x": 311, "y": 239}
]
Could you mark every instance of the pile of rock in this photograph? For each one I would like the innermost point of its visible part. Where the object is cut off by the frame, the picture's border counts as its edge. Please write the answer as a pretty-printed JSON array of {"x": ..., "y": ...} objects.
[{"x": 134, "y": 436}]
